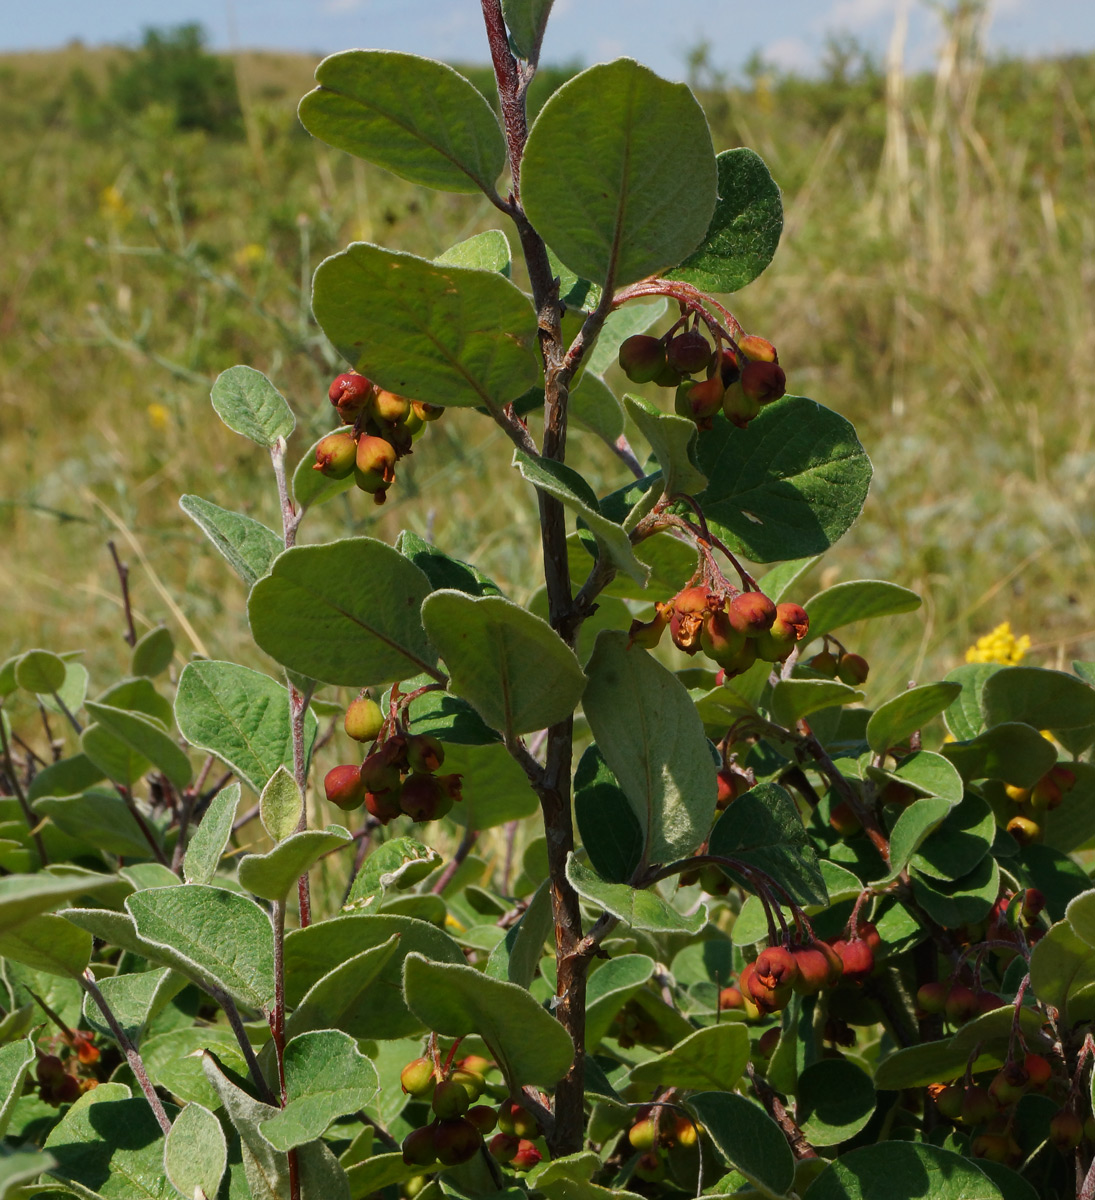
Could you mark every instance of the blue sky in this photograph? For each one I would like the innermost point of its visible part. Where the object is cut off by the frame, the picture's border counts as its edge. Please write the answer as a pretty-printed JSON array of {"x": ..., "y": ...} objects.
[{"x": 789, "y": 32}]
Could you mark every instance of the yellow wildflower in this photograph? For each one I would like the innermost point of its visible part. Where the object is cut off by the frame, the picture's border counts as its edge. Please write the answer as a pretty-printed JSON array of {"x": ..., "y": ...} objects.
[
  {"x": 158, "y": 416},
  {"x": 249, "y": 255},
  {"x": 112, "y": 205},
  {"x": 999, "y": 646}
]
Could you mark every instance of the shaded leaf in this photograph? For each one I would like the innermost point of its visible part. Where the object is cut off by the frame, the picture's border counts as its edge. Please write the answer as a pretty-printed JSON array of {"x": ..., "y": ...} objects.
[
  {"x": 611, "y": 833},
  {"x": 443, "y": 571},
  {"x": 195, "y": 1153},
  {"x": 747, "y": 1137},
  {"x": 712, "y": 1058},
  {"x": 641, "y": 908},
  {"x": 144, "y": 738},
  {"x": 898, "y": 1170},
  {"x": 895, "y": 720},
  {"x": 334, "y": 1001},
  {"x": 247, "y": 545},
  {"x": 1012, "y": 752},
  {"x": 835, "y": 1101}
]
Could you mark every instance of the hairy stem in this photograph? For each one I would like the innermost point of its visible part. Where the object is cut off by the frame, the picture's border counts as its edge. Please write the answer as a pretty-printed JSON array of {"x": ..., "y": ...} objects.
[{"x": 17, "y": 788}]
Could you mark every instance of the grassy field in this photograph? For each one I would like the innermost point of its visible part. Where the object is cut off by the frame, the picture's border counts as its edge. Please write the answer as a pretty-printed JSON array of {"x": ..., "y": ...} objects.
[{"x": 934, "y": 284}]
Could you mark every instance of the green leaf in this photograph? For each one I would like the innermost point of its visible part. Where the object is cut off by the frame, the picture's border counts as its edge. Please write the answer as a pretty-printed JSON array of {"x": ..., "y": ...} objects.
[
  {"x": 793, "y": 699},
  {"x": 744, "y": 230},
  {"x": 917, "y": 1066},
  {"x": 249, "y": 404},
  {"x": 673, "y": 442},
  {"x": 913, "y": 825},
  {"x": 486, "y": 251},
  {"x": 835, "y": 1100},
  {"x": 926, "y": 773},
  {"x": 711, "y": 1058},
  {"x": 963, "y": 717},
  {"x": 271, "y": 876},
  {"x": 748, "y": 1138},
  {"x": 247, "y": 545},
  {"x": 652, "y": 740},
  {"x": 153, "y": 652},
  {"x": 895, "y": 720},
  {"x": 207, "y": 843},
  {"x": 139, "y": 696},
  {"x": 960, "y": 842},
  {"x": 25, "y": 896},
  {"x": 315, "y": 951},
  {"x": 215, "y": 937},
  {"x": 345, "y": 612},
  {"x": 195, "y": 1153},
  {"x": 447, "y": 717},
  {"x": 326, "y": 1076},
  {"x": 593, "y": 406},
  {"x": 378, "y": 1172},
  {"x": 1044, "y": 699},
  {"x": 40, "y": 671},
  {"x": 23, "y": 1166},
  {"x": 413, "y": 116},
  {"x": 118, "y": 760},
  {"x": 145, "y": 739},
  {"x": 241, "y": 716},
  {"x": 100, "y": 819},
  {"x": 267, "y": 1169},
  {"x": 525, "y": 20},
  {"x": 448, "y": 335},
  {"x": 641, "y": 908},
  {"x": 1080, "y": 914},
  {"x": 1072, "y": 823},
  {"x": 857, "y": 600},
  {"x": 634, "y": 317},
  {"x": 110, "y": 1148},
  {"x": 1012, "y": 752},
  {"x": 1061, "y": 963},
  {"x": 762, "y": 829},
  {"x": 135, "y": 1000},
  {"x": 611, "y": 986},
  {"x": 71, "y": 693},
  {"x": 641, "y": 182},
  {"x": 15, "y": 1058},
  {"x": 961, "y": 901},
  {"x": 396, "y": 865},
  {"x": 281, "y": 804},
  {"x": 527, "y": 1043},
  {"x": 789, "y": 485},
  {"x": 897, "y": 1170},
  {"x": 516, "y": 958},
  {"x": 443, "y": 571},
  {"x": 64, "y": 778},
  {"x": 610, "y": 831},
  {"x": 572, "y": 491},
  {"x": 335, "y": 1000},
  {"x": 496, "y": 789},
  {"x": 511, "y": 666}
]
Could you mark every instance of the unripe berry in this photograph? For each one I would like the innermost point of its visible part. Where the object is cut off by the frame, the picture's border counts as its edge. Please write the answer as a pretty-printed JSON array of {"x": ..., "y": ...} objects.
[
  {"x": 1009, "y": 1085},
  {"x": 949, "y": 1101},
  {"x": 364, "y": 720},
  {"x": 852, "y": 669},
  {"x": 449, "y": 1099},
  {"x": 527, "y": 1156},
  {"x": 472, "y": 1083},
  {"x": 667, "y": 377},
  {"x": 995, "y": 1147},
  {"x": 684, "y": 1133},
  {"x": 350, "y": 394},
  {"x": 643, "y": 1135},
  {"x": 418, "y": 1148},
  {"x": 1019, "y": 794},
  {"x": 391, "y": 408},
  {"x": 729, "y": 368},
  {"x": 424, "y": 752},
  {"x": 476, "y": 1064},
  {"x": 738, "y": 408},
  {"x": 456, "y": 1141},
  {"x": 720, "y": 641},
  {"x": 378, "y": 773},
  {"x": 417, "y": 1078},
  {"x": 375, "y": 456},
  {"x": 450, "y": 785},
  {"x": 824, "y": 664},
  {"x": 757, "y": 349},
  {"x": 517, "y": 1120},
  {"x": 344, "y": 788},
  {"x": 988, "y": 1001},
  {"x": 503, "y": 1146},
  {"x": 423, "y": 798},
  {"x": 336, "y": 455},
  {"x": 857, "y": 957},
  {"x": 650, "y": 1168},
  {"x": 642, "y": 357},
  {"x": 649, "y": 633},
  {"x": 768, "y": 1041},
  {"x": 931, "y": 998},
  {"x": 427, "y": 412},
  {"x": 961, "y": 1004},
  {"x": 1066, "y": 1130},
  {"x": 763, "y": 382},
  {"x": 977, "y": 1106},
  {"x": 730, "y": 998},
  {"x": 751, "y": 613},
  {"x": 689, "y": 352},
  {"x": 842, "y": 818},
  {"x": 1046, "y": 795},
  {"x": 699, "y": 400},
  {"x": 1024, "y": 830}
]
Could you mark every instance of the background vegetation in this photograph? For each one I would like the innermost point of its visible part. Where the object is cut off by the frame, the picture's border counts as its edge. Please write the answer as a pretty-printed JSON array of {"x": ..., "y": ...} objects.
[{"x": 947, "y": 217}]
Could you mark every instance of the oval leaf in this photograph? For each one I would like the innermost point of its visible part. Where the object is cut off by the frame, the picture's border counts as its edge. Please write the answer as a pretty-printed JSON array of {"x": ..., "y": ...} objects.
[
  {"x": 896, "y": 1170},
  {"x": 835, "y": 1100},
  {"x": 748, "y": 1138},
  {"x": 513, "y": 668},
  {"x": 154, "y": 652},
  {"x": 144, "y": 738},
  {"x": 895, "y": 720},
  {"x": 195, "y": 1154},
  {"x": 711, "y": 1058},
  {"x": 246, "y": 544},
  {"x": 444, "y": 334},
  {"x": 672, "y": 441},
  {"x": 40, "y": 671},
  {"x": 270, "y": 876},
  {"x": 210, "y": 838},
  {"x": 1044, "y": 699},
  {"x": 857, "y": 600},
  {"x": 249, "y": 404},
  {"x": 415, "y": 117},
  {"x": 641, "y": 182},
  {"x": 641, "y": 908},
  {"x": 345, "y": 613}
]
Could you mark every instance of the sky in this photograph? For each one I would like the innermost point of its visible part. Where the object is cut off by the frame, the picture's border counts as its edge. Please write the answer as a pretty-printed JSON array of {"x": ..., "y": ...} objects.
[{"x": 790, "y": 33}]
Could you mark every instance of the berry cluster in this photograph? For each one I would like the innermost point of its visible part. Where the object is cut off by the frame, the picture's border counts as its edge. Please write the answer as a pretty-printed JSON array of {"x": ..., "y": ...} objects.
[
  {"x": 1034, "y": 802},
  {"x": 733, "y": 629},
  {"x": 383, "y": 425},
  {"x": 766, "y": 985},
  {"x": 656, "y": 1131},
  {"x": 56, "y": 1083},
  {"x": 397, "y": 778},
  {"x": 739, "y": 379},
  {"x": 834, "y": 662},
  {"x": 456, "y": 1132}
]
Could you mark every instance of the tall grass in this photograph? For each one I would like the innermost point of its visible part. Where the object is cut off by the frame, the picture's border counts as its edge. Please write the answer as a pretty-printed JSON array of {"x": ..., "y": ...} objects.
[{"x": 934, "y": 284}]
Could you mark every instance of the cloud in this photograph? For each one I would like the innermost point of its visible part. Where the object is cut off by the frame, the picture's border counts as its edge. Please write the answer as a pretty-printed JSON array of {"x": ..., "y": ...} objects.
[
  {"x": 339, "y": 7},
  {"x": 853, "y": 14},
  {"x": 790, "y": 54}
]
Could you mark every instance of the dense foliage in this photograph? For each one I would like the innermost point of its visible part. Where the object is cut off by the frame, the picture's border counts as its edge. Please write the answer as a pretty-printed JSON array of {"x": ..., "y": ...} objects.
[{"x": 733, "y": 931}]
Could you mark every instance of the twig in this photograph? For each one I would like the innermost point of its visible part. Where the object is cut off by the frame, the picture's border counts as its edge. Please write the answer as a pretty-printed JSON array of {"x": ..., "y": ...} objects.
[
  {"x": 133, "y": 1057},
  {"x": 20, "y": 795},
  {"x": 236, "y": 1022},
  {"x": 130, "y": 634},
  {"x": 462, "y": 852},
  {"x": 142, "y": 824},
  {"x": 796, "y": 1139}
]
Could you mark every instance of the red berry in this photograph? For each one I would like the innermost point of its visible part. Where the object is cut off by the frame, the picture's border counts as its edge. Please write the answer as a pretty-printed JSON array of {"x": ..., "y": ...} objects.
[
  {"x": 449, "y": 1099},
  {"x": 503, "y": 1146},
  {"x": 418, "y": 1149},
  {"x": 343, "y": 786},
  {"x": 1066, "y": 1130},
  {"x": 961, "y": 1004},
  {"x": 689, "y": 352},
  {"x": 730, "y": 998},
  {"x": 931, "y": 998},
  {"x": 857, "y": 958},
  {"x": 527, "y": 1156},
  {"x": 763, "y": 382},
  {"x": 775, "y": 967},
  {"x": 642, "y": 357},
  {"x": 751, "y": 613},
  {"x": 456, "y": 1141}
]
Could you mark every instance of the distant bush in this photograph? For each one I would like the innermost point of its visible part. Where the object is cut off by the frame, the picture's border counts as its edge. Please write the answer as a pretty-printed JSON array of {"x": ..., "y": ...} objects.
[{"x": 173, "y": 69}]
